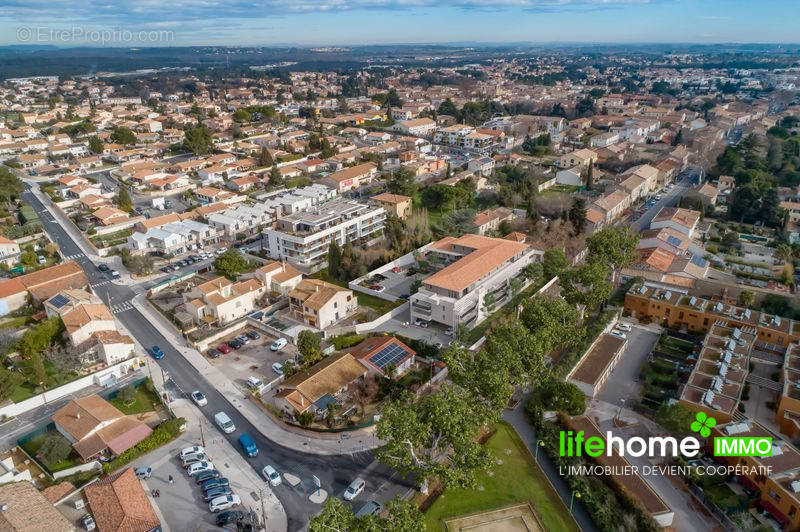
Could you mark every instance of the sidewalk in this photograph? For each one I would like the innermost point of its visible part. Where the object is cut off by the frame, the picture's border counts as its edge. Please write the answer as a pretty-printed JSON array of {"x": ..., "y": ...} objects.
[
  {"x": 67, "y": 225},
  {"x": 269, "y": 427}
]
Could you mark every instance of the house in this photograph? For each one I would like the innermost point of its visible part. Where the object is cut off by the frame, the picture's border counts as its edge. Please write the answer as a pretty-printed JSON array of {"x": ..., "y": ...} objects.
[
  {"x": 382, "y": 354},
  {"x": 213, "y": 195},
  {"x": 278, "y": 277},
  {"x": 26, "y": 509},
  {"x": 109, "y": 215},
  {"x": 320, "y": 304},
  {"x": 120, "y": 504},
  {"x": 709, "y": 193},
  {"x": 421, "y": 127},
  {"x": 483, "y": 166},
  {"x": 473, "y": 266},
  {"x": 41, "y": 284},
  {"x": 395, "y": 204},
  {"x": 351, "y": 178},
  {"x": 490, "y": 219},
  {"x": 580, "y": 158},
  {"x": 243, "y": 184},
  {"x": 682, "y": 220},
  {"x": 325, "y": 382},
  {"x": 9, "y": 252},
  {"x": 95, "y": 427},
  {"x": 222, "y": 301}
]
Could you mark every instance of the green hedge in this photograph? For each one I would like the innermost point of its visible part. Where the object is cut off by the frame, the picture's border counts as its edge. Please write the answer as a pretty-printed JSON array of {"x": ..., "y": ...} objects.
[{"x": 161, "y": 435}]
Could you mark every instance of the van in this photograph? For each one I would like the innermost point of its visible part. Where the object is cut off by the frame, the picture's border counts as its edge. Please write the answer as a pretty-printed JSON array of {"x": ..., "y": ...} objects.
[
  {"x": 224, "y": 422},
  {"x": 254, "y": 383},
  {"x": 143, "y": 472},
  {"x": 278, "y": 344},
  {"x": 248, "y": 445}
]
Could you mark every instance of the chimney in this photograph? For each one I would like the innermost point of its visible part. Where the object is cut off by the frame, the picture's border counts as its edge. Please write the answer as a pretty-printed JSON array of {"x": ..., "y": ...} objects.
[{"x": 77, "y": 415}]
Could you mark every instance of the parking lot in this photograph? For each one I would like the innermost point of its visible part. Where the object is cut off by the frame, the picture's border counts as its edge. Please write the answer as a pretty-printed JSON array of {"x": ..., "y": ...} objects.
[
  {"x": 624, "y": 380},
  {"x": 396, "y": 282},
  {"x": 253, "y": 359},
  {"x": 191, "y": 258}
]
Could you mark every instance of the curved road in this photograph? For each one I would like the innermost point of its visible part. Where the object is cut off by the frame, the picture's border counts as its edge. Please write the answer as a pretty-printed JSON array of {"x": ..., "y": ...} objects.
[{"x": 335, "y": 472}]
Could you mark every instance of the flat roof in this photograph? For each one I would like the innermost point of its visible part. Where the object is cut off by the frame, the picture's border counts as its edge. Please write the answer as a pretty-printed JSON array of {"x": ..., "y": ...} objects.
[{"x": 593, "y": 365}]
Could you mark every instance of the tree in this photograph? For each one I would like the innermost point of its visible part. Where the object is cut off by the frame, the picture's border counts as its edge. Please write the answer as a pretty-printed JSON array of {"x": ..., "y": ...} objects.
[
  {"x": 123, "y": 135},
  {"x": 534, "y": 272},
  {"x": 198, "y": 140},
  {"x": 11, "y": 186},
  {"x": 96, "y": 145},
  {"x": 242, "y": 116},
  {"x": 559, "y": 395},
  {"x": 402, "y": 182},
  {"x": 447, "y": 107},
  {"x": 309, "y": 345},
  {"x": 577, "y": 215},
  {"x": 554, "y": 261},
  {"x": 459, "y": 222},
  {"x": 54, "y": 448},
  {"x": 614, "y": 247},
  {"x": 675, "y": 419},
  {"x": 336, "y": 516},
  {"x": 124, "y": 199},
  {"x": 265, "y": 158},
  {"x": 587, "y": 285},
  {"x": 231, "y": 264},
  {"x": 435, "y": 436},
  {"x": 746, "y": 298},
  {"x": 590, "y": 175},
  {"x": 275, "y": 177},
  {"x": 140, "y": 264},
  {"x": 127, "y": 395},
  {"x": 552, "y": 323},
  {"x": 334, "y": 259}
]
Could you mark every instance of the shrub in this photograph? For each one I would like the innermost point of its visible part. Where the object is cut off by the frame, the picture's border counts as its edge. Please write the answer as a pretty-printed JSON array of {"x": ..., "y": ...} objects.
[
  {"x": 161, "y": 435},
  {"x": 54, "y": 449}
]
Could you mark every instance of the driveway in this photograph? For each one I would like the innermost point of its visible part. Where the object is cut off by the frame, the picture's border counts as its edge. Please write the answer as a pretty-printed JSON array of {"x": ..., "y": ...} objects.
[{"x": 623, "y": 382}]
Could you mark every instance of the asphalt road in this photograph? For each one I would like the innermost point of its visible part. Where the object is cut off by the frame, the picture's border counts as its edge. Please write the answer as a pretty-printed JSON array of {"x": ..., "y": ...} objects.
[
  {"x": 669, "y": 199},
  {"x": 335, "y": 472}
]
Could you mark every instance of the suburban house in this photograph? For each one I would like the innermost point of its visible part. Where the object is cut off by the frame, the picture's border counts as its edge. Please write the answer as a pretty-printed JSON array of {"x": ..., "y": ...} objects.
[
  {"x": 421, "y": 127},
  {"x": 278, "y": 277},
  {"x": 352, "y": 177},
  {"x": 40, "y": 285},
  {"x": 220, "y": 301},
  {"x": 709, "y": 193},
  {"x": 682, "y": 220},
  {"x": 320, "y": 304},
  {"x": 490, "y": 219},
  {"x": 580, "y": 158},
  {"x": 119, "y": 503},
  {"x": 96, "y": 427},
  {"x": 472, "y": 268},
  {"x": 395, "y": 204},
  {"x": 9, "y": 252},
  {"x": 326, "y": 382},
  {"x": 382, "y": 354},
  {"x": 26, "y": 509}
]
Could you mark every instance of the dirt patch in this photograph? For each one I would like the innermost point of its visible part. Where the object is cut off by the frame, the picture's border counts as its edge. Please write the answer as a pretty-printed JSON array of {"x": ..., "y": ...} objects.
[{"x": 517, "y": 518}]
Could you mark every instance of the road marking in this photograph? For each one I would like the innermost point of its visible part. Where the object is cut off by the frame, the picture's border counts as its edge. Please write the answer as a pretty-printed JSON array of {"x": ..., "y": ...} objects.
[
  {"x": 121, "y": 307},
  {"x": 101, "y": 283},
  {"x": 75, "y": 256}
]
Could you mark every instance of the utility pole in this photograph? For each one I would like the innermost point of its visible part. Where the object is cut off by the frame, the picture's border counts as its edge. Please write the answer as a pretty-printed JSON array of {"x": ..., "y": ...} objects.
[{"x": 202, "y": 436}]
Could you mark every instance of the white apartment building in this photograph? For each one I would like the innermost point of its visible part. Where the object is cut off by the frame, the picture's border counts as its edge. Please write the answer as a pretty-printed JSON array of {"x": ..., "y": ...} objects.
[
  {"x": 303, "y": 238},
  {"x": 474, "y": 266},
  {"x": 173, "y": 237},
  {"x": 465, "y": 137}
]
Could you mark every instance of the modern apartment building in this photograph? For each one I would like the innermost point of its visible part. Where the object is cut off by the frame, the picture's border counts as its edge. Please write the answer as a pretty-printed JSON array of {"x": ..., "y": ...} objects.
[
  {"x": 473, "y": 267},
  {"x": 302, "y": 238},
  {"x": 465, "y": 137}
]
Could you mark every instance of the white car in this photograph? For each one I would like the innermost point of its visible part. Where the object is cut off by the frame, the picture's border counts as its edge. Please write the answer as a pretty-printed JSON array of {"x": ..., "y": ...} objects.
[
  {"x": 194, "y": 458},
  {"x": 354, "y": 489},
  {"x": 618, "y": 334},
  {"x": 278, "y": 344},
  {"x": 224, "y": 502},
  {"x": 624, "y": 327},
  {"x": 254, "y": 383},
  {"x": 421, "y": 323},
  {"x": 199, "y": 398},
  {"x": 271, "y": 475},
  {"x": 190, "y": 450},
  {"x": 450, "y": 331},
  {"x": 224, "y": 422},
  {"x": 277, "y": 367},
  {"x": 199, "y": 467}
]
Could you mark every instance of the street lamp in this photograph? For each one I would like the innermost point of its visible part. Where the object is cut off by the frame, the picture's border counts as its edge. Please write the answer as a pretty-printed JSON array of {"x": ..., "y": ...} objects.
[
  {"x": 540, "y": 443},
  {"x": 619, "y": 410},
  {"x": 572, "y": 499}
]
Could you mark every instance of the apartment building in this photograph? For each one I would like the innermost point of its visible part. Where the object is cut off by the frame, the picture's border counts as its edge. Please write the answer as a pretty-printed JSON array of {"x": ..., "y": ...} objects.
[
  {"x": 464, "y": 137},
  {"x": 320, "y": 304},
  {"x": 352, "y": 177},
  {"x": 396, "y": 204},
  {"x": 787, "y": 414},
  {"x": 303, "y": 238},
  {"x": 421, "y": 127},
  {"x": 472, "y": 267},
  {"x": 221, "y": 301}
]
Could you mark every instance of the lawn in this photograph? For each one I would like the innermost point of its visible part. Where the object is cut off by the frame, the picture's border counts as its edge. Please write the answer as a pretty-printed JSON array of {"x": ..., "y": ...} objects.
[
  {"x": 33, "y": 445},
  {"x": 144, "y": 402},
  {"x": 516, "y": 479}
]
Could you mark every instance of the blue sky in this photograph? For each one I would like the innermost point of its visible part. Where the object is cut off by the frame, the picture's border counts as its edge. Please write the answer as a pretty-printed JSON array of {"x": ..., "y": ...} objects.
[{"x": 344, "y": 22}]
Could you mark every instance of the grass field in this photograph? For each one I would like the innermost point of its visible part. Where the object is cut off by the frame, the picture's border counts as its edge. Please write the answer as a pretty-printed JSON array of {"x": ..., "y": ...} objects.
[
  {"x": 516, "y": 479},
  {"x": 144, "y": 402}
]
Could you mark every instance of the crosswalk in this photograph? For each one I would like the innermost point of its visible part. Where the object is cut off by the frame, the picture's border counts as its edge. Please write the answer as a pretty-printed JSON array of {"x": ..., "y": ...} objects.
[
  {"x": 121, "y": 307},
  {"x": 74, "y": 257},
  {"x": 101, "y": 283}
]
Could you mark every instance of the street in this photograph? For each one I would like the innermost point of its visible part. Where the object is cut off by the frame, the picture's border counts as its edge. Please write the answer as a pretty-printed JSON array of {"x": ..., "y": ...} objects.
[{"x": 335, "y": 471}]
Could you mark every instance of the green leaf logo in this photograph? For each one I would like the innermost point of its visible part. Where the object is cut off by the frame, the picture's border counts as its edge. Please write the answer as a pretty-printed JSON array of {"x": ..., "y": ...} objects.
[{"x": 703, "y": 424}]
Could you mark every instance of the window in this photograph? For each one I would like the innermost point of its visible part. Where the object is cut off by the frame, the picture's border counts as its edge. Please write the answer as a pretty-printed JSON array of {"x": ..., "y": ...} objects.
[
  {"x": 792, "y": 511},
  {"x": 774, "y": 495},
  {"x": 335, "y": 304}
]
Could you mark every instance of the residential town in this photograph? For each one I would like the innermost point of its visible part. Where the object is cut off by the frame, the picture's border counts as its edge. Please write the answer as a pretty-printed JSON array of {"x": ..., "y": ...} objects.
[{"x": 376, "y": 297}]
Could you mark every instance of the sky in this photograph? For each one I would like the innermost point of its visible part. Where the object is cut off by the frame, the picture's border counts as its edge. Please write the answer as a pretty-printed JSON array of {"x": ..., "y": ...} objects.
[{"x": 353, "y": 22}]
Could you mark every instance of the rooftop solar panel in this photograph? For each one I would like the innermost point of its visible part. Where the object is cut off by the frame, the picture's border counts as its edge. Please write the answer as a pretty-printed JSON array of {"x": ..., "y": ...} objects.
[
  {"x": 59, "y": 301},
  {"x": 700, "y": 261},
  {"x": 389, "y": 355},
  {"x": 675, "y": 241}
]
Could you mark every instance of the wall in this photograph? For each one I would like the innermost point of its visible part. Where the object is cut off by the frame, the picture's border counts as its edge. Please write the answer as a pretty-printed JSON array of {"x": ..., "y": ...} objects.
[
  {"x": 544, "y": 185},
  {"x": 113, "y": 228},
  {"x": 78, "y": 469},
  {"x": 202, "y": 345},
  {"x": 97, "y": 378},
  {"x": 406, "y": 260}
]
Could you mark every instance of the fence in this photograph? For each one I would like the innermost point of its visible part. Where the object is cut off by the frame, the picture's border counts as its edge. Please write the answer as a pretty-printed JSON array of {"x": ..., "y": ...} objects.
[{"x": 713, "y": 509}]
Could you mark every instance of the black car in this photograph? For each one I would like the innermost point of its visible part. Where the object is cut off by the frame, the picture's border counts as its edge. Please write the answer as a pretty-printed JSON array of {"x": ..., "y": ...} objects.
[
  {"x": 103, "y": 267},
  {"x": 214, "y": 353},
  {"x": 166, "y": 269},
  {"x": 253, "y": 335},
  {"x": 236, "y": 344},
  {"x": 220, "y": 491},
  {"x": 214, "y": 483},
  {"x": 228, "y": 517},
  {"x": 206, "y": 475}
]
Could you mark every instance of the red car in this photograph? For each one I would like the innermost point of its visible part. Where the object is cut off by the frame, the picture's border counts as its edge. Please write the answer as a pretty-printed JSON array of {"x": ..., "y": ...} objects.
[{"x": 224, "y": 348}]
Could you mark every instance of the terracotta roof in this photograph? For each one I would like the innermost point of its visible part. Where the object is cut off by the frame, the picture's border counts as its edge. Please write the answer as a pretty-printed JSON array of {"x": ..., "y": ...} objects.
[
  {"x": 85, "y": 314},
  {"x": 81, "y": 416},
  {"x": 213, "y": 285},
  {"x": 10, "y": 287},
  {"x": 315, "y": 293},
  {"x": 325, "y": 377},
  {"x": 391, "y": 198},
  {"x": 119, "y": 504},
  {"x": 58, "y": 491},
  {"x": 46, "y": 282},
  {"x": 684, "y": 217},
  {"x": 158, "y": 221},
  {"x": 112, "y": 337},
  {"x": 487, "y": 254},
  {"x": 352, "y": 172},
  {"x": 29, "y": 510},
  {"x": 373, "y": 345}
]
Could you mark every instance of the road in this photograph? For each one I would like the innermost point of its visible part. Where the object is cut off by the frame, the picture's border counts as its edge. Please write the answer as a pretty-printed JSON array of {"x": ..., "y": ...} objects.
[
  {"x": 335, "y": 472},
  {"x": 669, "y": 199}
]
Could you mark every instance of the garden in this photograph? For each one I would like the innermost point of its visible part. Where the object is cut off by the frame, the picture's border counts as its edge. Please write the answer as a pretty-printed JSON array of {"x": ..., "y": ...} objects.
[
  {"x": 665, "y": 369},
  {"x": 51, "y": 450},
  {"x": 136, "y": 399}
]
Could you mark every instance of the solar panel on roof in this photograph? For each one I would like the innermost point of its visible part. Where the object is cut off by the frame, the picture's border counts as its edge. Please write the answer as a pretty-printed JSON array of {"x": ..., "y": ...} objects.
[
  {"x": 59, "y": 301},
  {"x": 675, "y": 241},
  {"x": 699, "y": 261},
  {"x": 389, "y": 355}
]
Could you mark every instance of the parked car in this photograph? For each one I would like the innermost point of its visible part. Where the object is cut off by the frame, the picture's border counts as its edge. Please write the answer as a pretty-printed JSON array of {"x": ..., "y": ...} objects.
[
  {"x": 277, "y": 367},
  {"x": 248, "y": 445},
  {"x": 157, "y": 353},
  {"x": 243, "y": 339},
  {"x": 253, "y": 335},
  {"x": 271, "y": 475},
  {"x": 370, "y": 508},
  {"x": 217, "y": 492},
  {"x": 235, "y": 344},
  {"x": 223, "y": 503},
  {"x": 224, "y": 348},
  {"x": 199, "y": 467},
  {"x": 229, "y": 516},
  {"x": 214, "y": 483},
  {"x": 224, "y": 422},
  {"x": 450, "y": 331},
  {"x": 190, "y": 450},
  {"x": 166, "y": 269},
  {"x": 421, "y": 323},
  {"x": 278, "y": 344},
  {"x": 205, "y": 476},
  {"x": 254, "y": 382},
  {"x": 114, "y": 274},
  {"x": 354, "y": 489},
  {"x": 194, "y": 458},
  {"x": 199, "y": 398},
  {"x": 213, "y": 353},
  {"x": 103, "y": 267},
  {"x": 624, "y": 327},
  {"x": 143, "y": 472},
  {"x": 618, "y": 334},
  {"x": 88, "y": 522}
]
